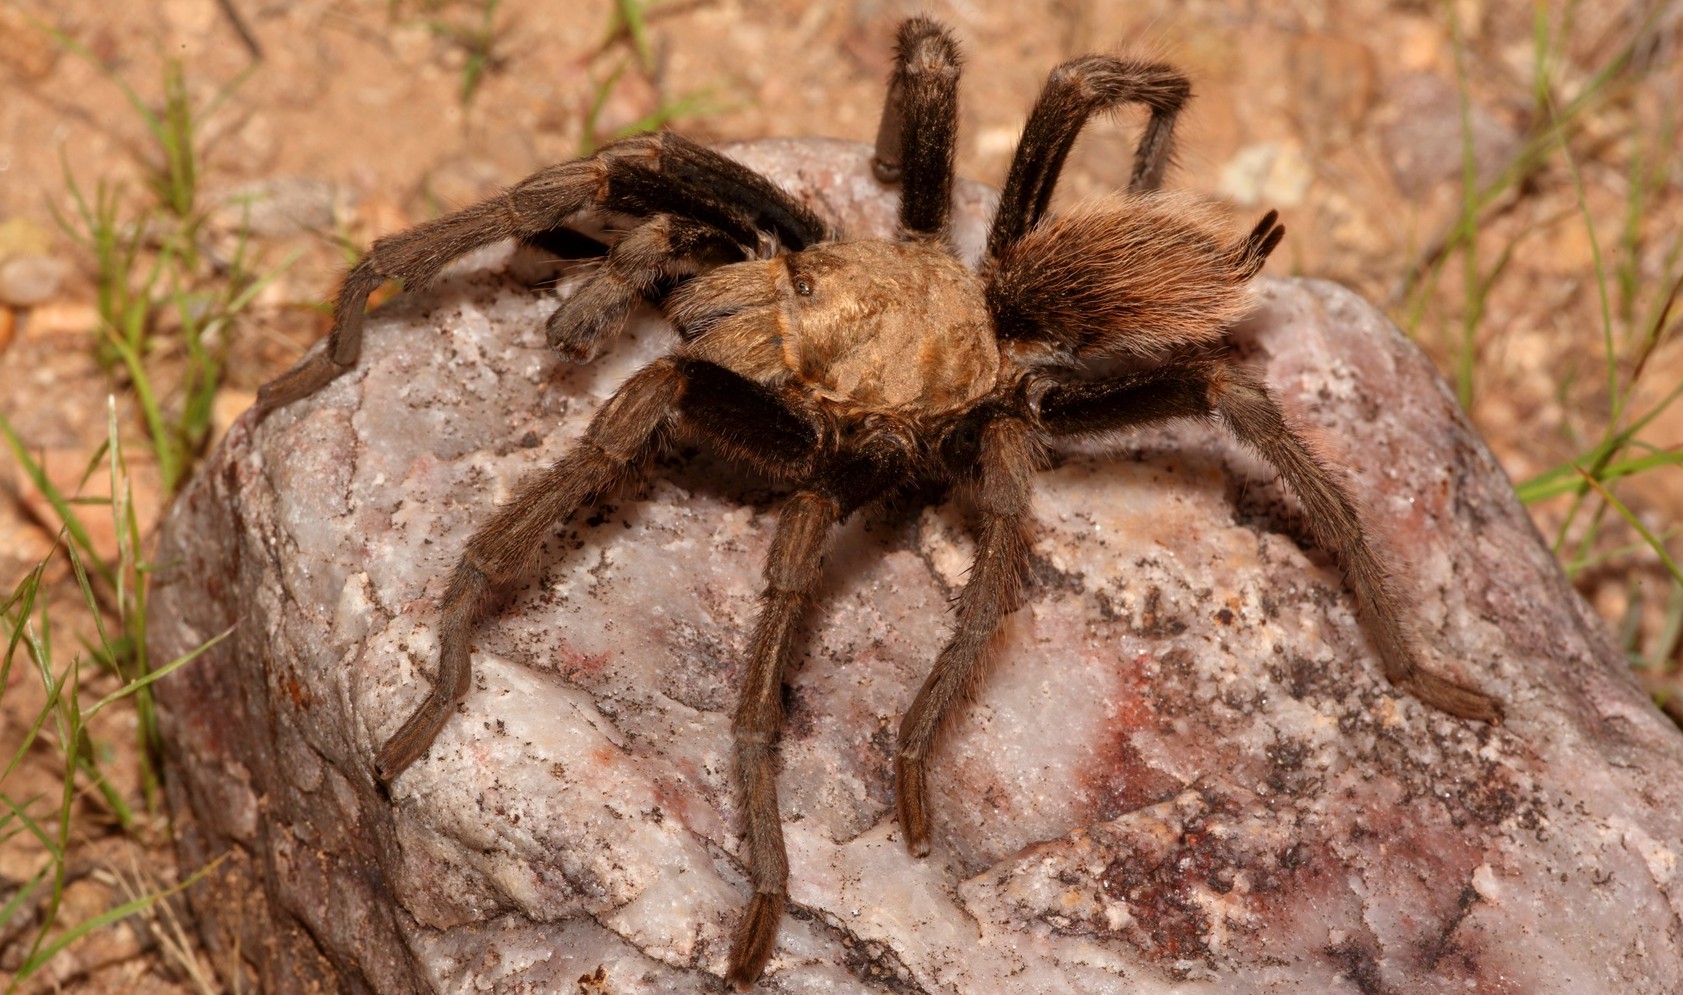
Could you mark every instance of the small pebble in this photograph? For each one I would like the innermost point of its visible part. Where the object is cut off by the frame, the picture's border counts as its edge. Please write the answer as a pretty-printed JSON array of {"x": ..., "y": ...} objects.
[
  {"x": 1267, "y": 172},
  {"x": 26, "y": 281},
  {"x": 61, "y": 318},
  {"x": 283, "y": 206}
]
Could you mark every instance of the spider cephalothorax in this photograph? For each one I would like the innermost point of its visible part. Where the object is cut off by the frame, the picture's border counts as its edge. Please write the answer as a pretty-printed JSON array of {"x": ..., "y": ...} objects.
[{"x": 858, "y": 370}]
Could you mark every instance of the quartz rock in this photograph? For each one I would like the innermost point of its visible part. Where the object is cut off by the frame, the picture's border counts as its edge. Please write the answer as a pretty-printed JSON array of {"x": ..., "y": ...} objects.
[{"x": 1184, "y": 772}]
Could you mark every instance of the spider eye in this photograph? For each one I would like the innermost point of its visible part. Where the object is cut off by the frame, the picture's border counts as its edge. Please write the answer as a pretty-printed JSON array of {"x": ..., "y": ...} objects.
[{"x": 803, "y": 286}]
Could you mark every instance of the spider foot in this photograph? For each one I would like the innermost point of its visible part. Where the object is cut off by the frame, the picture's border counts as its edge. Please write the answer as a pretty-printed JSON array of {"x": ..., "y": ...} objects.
[
  {"x": 1446, "y": 696},
  {"x": 587, "y": 320},
  {"x": 1259, "y": 245},
  {"x": 755, "y": 937},
  {"x": 310, "y": 375},
  {"x": 412, "y": 740},
  {"x": 911, "y": 794}
]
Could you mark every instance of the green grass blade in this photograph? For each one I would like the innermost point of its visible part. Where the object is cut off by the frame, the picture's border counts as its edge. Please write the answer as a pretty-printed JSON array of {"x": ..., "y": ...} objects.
[
  {"x": 35, "y": 830},
  {"x": 629, "y": 16},
  {"x": 26, "y": 891},
  {"x": 1636, "y": 523},
  {"x": 48, "y": 710},
  {"x": 158, "y": 674},
  {"x": 66, "y": 514},
  {"x": 22, "y": 599},
  {"x": 1565, "y": 478}
]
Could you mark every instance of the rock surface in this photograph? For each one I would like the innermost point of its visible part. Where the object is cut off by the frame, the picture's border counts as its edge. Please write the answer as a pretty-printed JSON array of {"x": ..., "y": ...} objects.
[{"x": 1184, "y": 773}]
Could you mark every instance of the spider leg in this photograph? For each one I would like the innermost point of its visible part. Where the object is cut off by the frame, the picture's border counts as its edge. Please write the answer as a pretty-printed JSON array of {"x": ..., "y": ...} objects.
[
  {"x": 917, "y": 137},
  {"x": 792, "y": 572},
  {"x": 1006, "y": 454},
  {"x": 628, "y": 429},
  {"x": 1250, "y": 255},
  {"x": 1191, "y": 389},
  {"x": 1075, "y": 91},
  {"x": 664, "y": 248},
  {"x": 649, "y": 174},
  {"x": 631, "y": 427}
]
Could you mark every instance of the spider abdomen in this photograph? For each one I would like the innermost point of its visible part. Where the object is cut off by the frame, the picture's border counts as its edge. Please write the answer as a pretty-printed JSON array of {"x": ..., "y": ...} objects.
[{"x": 1129, "y": 276}]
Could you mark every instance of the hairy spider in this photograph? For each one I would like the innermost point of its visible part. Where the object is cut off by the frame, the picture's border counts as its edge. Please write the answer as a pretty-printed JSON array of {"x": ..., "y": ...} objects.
[{"x": 855, "y": 370}]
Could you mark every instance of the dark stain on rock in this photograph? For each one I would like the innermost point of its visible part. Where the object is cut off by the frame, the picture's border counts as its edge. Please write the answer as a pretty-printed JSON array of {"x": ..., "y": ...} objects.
[
  {"x": 1490, "y": 800},
  {"x": 1123, "y": 781},
  {"x": 702, "y": 672},
  {"x": 1108, "y": 608},
  {"x": 1178, "y": 664},
  {"x": 1287, "y": 773},
  {"x": 1444, "y": 946},
  {"x": 1294, "y": 857},
  {"x": 871, "y": 961},
  {"x": 1047, "y": 577},
  {"x": 798, "y": 713},
  {"x": 1302, "y": 677},
  {"x": 1160, "y": 895},
  {"x": 1154, "y": 622},
  {"x": 1466, "y": 468},
  {"x": 1161, "y": 885},
  {"x": 1261, "y": 506},
  {"x": 1174, "y": 686},
  {"x": 1356, "y": 959},
  {"x": 297, "y": 693}
]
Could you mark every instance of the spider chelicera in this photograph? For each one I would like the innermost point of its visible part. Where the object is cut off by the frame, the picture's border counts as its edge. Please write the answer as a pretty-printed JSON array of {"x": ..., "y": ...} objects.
[{"x": 857, "y": 370}]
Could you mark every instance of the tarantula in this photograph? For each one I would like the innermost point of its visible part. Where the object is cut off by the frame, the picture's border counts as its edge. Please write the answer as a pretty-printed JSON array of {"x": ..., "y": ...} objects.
[{"x": 855, "y": 370}]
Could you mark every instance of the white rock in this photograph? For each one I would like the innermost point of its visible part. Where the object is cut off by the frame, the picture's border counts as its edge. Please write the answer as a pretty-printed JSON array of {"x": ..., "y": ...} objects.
[{"x": 1185, "y": 773}]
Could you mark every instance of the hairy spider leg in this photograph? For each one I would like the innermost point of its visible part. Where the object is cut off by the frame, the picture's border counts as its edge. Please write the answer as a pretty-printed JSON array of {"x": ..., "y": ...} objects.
[
  {"x": 702, "y": 210},
  {"x": 857, "y": 476},
  {"x": 627, "y": 430},
  {"x": 917, "y": 138},
  {"x": 1205, "y": 388},
  {"x": 792, "y": 571},
  {"x": 999, "y": 478},
  {"x": 649, "y": 258},
  {"x": 1250, "y": 255},
  {"x": 1075, "y": 91},
  {"x": 634, "y": 425},
  {"x": 649, "y": 174}
]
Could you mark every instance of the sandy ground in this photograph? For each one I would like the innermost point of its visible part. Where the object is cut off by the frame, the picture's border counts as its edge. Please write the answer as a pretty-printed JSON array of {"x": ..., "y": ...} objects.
[{"x": 347, "y": 119}]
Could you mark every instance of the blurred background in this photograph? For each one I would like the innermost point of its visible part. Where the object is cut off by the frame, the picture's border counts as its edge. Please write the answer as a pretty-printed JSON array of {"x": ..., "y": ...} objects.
[{"x": 183, "y": 182}]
